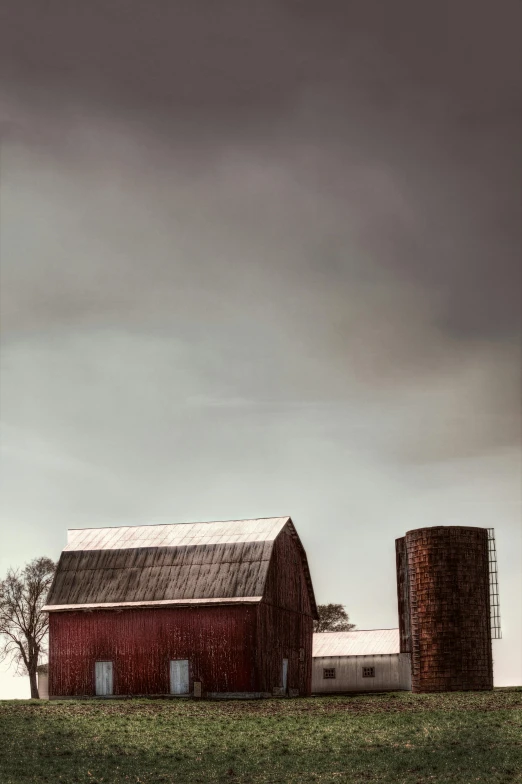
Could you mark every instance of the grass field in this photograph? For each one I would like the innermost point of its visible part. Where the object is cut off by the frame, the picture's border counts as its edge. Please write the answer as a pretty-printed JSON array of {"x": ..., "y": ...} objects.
[{"x": 401, "y": 737}]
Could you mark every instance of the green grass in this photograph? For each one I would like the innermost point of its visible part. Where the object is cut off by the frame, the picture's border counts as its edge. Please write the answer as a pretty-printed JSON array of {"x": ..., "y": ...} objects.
[{"x": 401, "y": 737}]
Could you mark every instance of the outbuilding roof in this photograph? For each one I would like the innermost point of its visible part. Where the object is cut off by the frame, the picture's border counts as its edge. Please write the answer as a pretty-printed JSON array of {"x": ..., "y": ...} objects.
[
  {"x": 358, "y": 642},
  {"x": 158, "y": 565}
]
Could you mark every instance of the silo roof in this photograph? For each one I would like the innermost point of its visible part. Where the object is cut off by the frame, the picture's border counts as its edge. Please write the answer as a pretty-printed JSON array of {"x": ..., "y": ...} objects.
[{"x": 358, "y": 642}]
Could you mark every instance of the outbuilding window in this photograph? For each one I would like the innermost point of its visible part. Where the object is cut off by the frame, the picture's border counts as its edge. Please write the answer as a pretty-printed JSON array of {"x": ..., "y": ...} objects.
[
  {"x": 329, "y": 672},
  {"x": 368, "y": 672}
]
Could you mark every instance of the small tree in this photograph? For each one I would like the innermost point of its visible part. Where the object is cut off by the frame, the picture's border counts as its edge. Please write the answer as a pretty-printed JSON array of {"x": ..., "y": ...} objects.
[
  {"x": 332, "y": 618},
  {"x": 23, "y": 625}
]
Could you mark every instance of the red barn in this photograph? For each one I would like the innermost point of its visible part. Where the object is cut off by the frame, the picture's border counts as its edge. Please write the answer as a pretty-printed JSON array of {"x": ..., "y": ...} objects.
[{"x": 214, "y": 609}]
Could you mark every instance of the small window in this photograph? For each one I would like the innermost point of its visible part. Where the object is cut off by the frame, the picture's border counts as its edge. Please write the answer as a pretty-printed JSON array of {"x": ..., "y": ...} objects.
[
  {"x": 368, "y": 672},
  {"x": 329, "y": 672}
]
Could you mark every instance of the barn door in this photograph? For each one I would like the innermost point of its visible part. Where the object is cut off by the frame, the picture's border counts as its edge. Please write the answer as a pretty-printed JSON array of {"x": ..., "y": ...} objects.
[
  {"x": 179, "y": 676},
  {"x": 103, "y": 671},
  {"x": 285, "y": 674}
]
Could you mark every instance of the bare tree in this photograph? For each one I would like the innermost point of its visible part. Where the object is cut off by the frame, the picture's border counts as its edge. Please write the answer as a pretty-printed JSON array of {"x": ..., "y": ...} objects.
[
  {"x": 23, "y": 625},
  {"x": 332, "y": 618}
]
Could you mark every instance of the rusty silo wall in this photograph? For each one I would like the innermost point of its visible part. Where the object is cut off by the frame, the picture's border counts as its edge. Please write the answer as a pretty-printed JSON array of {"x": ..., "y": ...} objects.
[
  {"x": 403, "y": 595},
  {"x": 447, "y": 572}
]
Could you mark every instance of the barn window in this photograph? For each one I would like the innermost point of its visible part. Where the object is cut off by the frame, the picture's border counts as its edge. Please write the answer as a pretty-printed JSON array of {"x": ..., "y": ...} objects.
[
  {"x": 329, "y": 672},
  {"x": 368, "y": 672}
]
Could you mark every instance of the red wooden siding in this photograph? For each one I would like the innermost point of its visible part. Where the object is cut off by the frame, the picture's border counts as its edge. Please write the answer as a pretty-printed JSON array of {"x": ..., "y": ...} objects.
[
  {"x": 219, "y": 643},
  {"x": 285, "y": 623}
]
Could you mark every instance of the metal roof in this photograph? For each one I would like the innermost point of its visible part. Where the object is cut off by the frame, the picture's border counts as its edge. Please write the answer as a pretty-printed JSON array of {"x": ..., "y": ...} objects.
[
  {"x": 359, "y": 642},
  {"x": 158, "y": 565},
  {"x": 175, "y": 535}
]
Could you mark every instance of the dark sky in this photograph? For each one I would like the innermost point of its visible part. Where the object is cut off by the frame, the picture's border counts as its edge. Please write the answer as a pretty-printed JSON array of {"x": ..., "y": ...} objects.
[{"x": 263, "y": 258}]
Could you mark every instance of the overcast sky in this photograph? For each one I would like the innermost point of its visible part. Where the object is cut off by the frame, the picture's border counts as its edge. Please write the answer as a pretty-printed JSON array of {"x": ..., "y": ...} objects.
[{"x": 264, "y": 258}]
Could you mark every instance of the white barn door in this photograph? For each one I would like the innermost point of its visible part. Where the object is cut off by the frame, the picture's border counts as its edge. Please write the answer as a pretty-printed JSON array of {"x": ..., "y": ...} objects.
[
  {"x": 285, "y": 674},
  {"x": 179, "y": 676},
  {"x": 104, "y": 681}
]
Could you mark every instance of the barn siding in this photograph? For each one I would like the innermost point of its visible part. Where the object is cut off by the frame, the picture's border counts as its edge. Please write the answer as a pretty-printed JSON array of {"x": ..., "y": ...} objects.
[
  {"x": 218, "y": 641},
  {"x": 285, "y": 622}
]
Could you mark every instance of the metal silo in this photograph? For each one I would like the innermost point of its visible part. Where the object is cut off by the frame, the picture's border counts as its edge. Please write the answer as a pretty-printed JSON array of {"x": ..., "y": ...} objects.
[{"x": 443, "y": 586}]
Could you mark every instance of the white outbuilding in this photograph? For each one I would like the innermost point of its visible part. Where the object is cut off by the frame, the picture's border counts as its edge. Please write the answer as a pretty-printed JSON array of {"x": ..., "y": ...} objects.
[
  {"x": 358, "y": 661},
  {"x": 42, "y": 674}
]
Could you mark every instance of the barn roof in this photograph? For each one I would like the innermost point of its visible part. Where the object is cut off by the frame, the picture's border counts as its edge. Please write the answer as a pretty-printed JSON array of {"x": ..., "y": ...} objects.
[
  {"x": 175, "y": 535},
  {"x": 159, "y": 565},
  {"x": 359, "y": 642}
]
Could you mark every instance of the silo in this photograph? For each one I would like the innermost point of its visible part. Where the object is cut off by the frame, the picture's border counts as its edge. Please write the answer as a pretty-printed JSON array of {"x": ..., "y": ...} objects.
[{"x": 444, "y": 607}]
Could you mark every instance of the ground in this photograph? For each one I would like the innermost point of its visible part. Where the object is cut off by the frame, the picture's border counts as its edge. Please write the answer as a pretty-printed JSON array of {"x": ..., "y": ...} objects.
[{"x": 399, "y": 737}]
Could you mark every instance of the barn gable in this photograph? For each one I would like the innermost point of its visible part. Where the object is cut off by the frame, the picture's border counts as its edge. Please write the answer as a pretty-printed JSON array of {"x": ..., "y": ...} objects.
[{"x": 162, "y": 565}]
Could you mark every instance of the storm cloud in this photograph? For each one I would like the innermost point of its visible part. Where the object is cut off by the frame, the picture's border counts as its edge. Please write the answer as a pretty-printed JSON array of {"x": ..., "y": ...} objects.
[{"x": 263, "y": 258}]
